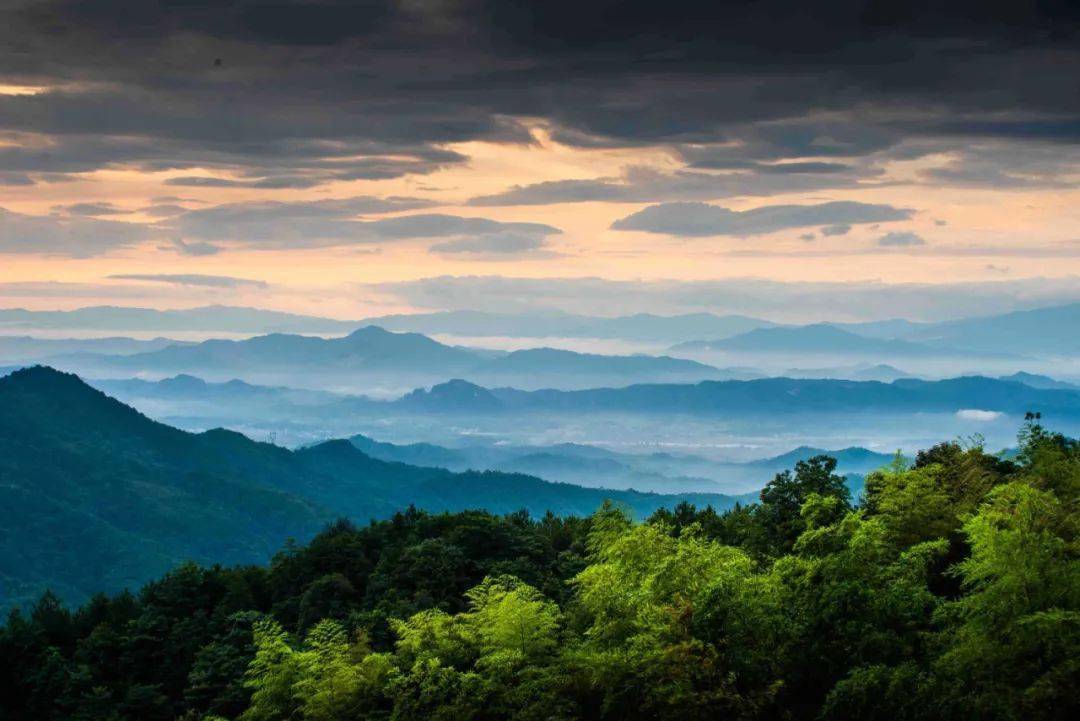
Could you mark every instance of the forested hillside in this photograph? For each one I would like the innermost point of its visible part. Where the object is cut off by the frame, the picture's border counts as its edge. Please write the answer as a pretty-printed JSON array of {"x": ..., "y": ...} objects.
[
  {"x": 98, "y": 497},
  {"x": 952, "y": 591}
]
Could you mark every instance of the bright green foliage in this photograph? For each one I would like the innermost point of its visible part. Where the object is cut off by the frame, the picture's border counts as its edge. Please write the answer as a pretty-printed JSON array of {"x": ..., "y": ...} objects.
[
  {"x": 512, "y": 622},
  {"x": 643, "y": 580},
  {"x": 330, "y": 677},
  {"x": 913, "y": 504},
  {"x": 641, "y": 598},
  {"x": 1015, "y": 645},
  {"x": 272, "y": 675}
]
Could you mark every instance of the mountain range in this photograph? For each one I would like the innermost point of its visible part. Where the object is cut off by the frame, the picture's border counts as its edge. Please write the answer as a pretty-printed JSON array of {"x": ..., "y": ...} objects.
[
  {"x": 768, "y": 395},
  {"x": 98, "y": 497},
  {"x": 823, "y": 338},
  {"x": 589, "y": 465},
  {"x": 24, "y": 349},
  {"x": 1012, "y": 395},
  {"x": 645, "y": 327},
  {"x": 1051, "y": 331},
  {"x": 395, "y": 358},
  {"x": 1041, "y": 331}
]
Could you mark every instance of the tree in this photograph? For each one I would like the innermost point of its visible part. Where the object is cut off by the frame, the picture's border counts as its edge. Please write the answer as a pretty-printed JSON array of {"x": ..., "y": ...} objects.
[
  {"x": 512, "y": 621},
  {"x": 780, "y": 513},
  {"x": 1013, "y": 645}
]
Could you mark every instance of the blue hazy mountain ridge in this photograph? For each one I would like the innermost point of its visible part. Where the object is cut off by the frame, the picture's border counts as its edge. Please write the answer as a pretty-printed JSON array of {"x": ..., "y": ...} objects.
[
  {"x": 1053, "y": 331},
  {"x": 883, "y": 372},
  {"x": 854, "y": 459},
  {"x": 537, "y": 360},
  {"x": 641, "y": 326},
  {"x": 28, "y": 348},
  {"x": 760, "y": 396},
  {"x": 398, "y": 357},
  {"x": 367, "y": 347},
  {"x": 1036, "y": 380},
  {"x": 889, "y": 328},
  {"x": 187, "y": 387},
  {"x": 595, "y": 466},
  {"x": 819, "y": 338},
  {"x": 637, "y": 327},
  {"x": 95, "y": 496},
  {"x": 1049, "y": 330},
  {"x": 767, "y": 395}
]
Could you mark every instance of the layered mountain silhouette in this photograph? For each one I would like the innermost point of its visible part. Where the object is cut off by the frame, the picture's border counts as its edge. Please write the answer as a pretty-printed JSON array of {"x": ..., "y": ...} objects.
[
  {"x": 596, "y": 466},
  {"x": 1051, "y": 331},
  {"x": 410, "y": 358},
  {"x": 637, "y": 327},
  {"x": 1036, "y": 380},
  {"x": 27, "y": 348},
  {"x": 369, "y": 348},
  {"x": 99, "y": 497},
  {"x": 768, "y": 395},
  {"x": 820, "y": 338},
  {"x": 552, "y": 360}
]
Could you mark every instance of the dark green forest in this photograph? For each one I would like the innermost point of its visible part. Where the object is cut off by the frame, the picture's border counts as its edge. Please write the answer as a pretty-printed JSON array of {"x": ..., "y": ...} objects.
[{"x": 949, "y": 590}]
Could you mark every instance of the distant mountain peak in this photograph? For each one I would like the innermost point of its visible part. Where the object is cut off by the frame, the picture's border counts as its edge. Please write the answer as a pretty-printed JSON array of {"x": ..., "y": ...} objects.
[
  {"x": 454, "y": 394},
  {"x": 69, "y": 405},
  {"x": 813, "y": 338},
  {"x": 46, "y": 379},
  {"x": 372, "y": 331}
]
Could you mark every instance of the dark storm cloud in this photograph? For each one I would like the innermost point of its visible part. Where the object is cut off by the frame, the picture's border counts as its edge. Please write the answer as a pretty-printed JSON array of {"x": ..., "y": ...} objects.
[
  {"x": 702, "y": 219},
  {"x": 15, "y": 179},
  {"x": 296, "y": 93},
  {"x": 1010, "y": 165},
  {"x": 643, "y": 185}
]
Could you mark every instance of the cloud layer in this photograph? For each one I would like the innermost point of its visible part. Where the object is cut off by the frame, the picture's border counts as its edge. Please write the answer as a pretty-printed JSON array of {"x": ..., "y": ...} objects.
[
  {"x": 305, "y": 124},
  {"x": 702, "y": 219},
  {"x": 193, "y": 279},
  {"x": 242, "y": 88},
  {"x": 781, "y": 301}
]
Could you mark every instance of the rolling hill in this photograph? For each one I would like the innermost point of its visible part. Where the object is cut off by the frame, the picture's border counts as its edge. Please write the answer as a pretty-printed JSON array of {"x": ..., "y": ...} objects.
[{"x": 95, "y": 496}]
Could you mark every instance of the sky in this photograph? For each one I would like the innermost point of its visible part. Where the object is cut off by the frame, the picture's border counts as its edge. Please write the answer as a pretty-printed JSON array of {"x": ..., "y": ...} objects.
[{"x": 851, "y": 159}]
